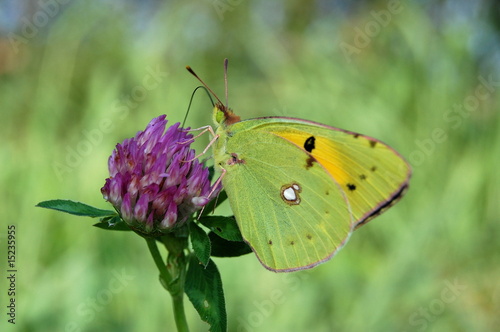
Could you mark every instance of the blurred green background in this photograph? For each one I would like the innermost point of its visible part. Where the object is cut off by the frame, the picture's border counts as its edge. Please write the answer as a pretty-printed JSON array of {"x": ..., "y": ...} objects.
[{"x": 76, "y": 77}]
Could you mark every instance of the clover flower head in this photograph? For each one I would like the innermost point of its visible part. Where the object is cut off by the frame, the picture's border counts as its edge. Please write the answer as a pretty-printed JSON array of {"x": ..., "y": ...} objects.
[{"x": 153, "y": 184}]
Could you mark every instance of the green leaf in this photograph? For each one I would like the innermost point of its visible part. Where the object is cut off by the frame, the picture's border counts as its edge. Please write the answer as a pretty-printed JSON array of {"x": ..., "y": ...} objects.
[
  {"x": 75, "y": 208},
  {"x": 224, "y": 248},
  {"x": 204, "y": 289},
  {"x": 225, "y": 227},
  {"x": 200, "y": 243},
  {"x": 114, "y": 223},
  {"x": 210, "y": 207},
  {"x": 211, "y": 172}
]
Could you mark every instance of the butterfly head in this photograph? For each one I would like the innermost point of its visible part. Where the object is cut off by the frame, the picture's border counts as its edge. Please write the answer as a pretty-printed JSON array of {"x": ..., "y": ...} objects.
[{"x": 224, "y": 115}]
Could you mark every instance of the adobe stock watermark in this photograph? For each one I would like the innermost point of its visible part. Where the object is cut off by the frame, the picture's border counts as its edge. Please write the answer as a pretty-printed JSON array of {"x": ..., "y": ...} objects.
[
  {"x": 31, "y": 26},
  {"x": 97, "y": 303},
  {"x": 264, "y": 309},
  {"x": 222, "y": 6},
  {"x": 455, "y": 118},
  {"x": 425, "y": 315},
  {"x": 75, "y": 154},
  {"x": 364, "y": 36}
]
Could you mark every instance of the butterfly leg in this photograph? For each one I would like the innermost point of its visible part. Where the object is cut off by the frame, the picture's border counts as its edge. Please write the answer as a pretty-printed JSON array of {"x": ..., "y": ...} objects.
[
  {"x": 204, "y": 130},
  {"x": 217, "y": 184},
  {"x": 215, "y": 188}
]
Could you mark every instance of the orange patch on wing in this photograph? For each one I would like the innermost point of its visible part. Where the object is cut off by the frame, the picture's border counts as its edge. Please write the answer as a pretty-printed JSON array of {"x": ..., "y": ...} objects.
[{"x": 324, "y": 152}]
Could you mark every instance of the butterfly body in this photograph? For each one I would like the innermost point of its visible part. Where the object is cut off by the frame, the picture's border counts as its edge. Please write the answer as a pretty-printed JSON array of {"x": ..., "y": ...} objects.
[{"x": 299, "y": 188}]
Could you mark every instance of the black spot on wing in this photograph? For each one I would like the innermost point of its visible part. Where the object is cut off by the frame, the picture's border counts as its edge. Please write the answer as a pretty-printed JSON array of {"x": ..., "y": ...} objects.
[
  {"x": 309, "y": 144},
  {"x": 292, "y": 243},
  {"x": 310, "y": 161},
  {"x": 362, "y": 177},
  {"x": 270, "y": 242},
  {"x": 235, "y": 160},
  {"x": 351, "y": 186},
  {"x": 355, "y": 135},
  {"x": 373, "y": 169},
  {"x": 372, "y": 143},
  {"x": 309, "y": 236}
]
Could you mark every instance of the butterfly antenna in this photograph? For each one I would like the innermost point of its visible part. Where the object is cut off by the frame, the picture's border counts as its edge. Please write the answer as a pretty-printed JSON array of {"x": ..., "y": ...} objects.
[
  {"x": 191, "y": 101},
  {"x": 225, "y": 80},
  {"x": 204, "y": 84}
]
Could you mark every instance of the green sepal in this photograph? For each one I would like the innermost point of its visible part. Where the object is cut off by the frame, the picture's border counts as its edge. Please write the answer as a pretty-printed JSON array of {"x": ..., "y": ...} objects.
[
  {"x": 112, "y": 223},
  {"x": 200, "y": 243},
  {"x": 204, "y": 289},
  {"x": 224, "y": 248},
  {"x": 76, "y": 208}
]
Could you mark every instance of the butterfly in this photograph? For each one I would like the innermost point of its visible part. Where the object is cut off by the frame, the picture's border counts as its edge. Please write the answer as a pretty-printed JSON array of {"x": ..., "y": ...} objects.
[{"x": 297, "y": 188}]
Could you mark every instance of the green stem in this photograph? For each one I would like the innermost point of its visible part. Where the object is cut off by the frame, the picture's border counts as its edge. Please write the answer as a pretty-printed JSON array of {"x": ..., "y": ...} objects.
[
  {"x": 179, "y": 315},
  {"x": 153, "y": 248},
  {"x": 172, "y": 277}
]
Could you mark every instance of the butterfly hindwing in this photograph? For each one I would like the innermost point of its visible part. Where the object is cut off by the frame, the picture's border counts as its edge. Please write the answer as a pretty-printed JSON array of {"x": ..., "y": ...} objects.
[{"x": 292, "y": 216}]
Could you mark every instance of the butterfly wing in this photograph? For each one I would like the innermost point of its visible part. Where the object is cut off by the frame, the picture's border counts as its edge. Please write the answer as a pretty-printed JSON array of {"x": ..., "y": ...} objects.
[
  {"x": 298, "y": 188},
  {"x": 372, "y": 174},
  {"x": 292, "y": 217}
]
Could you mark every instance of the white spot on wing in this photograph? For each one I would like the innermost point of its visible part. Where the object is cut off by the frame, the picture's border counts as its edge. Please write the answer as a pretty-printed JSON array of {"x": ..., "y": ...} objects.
[{"x": 290, "y": 193}]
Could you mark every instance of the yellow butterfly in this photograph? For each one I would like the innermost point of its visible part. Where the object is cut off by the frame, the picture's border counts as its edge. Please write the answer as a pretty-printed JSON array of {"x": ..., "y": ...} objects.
[{"x": 299, "y": 188}]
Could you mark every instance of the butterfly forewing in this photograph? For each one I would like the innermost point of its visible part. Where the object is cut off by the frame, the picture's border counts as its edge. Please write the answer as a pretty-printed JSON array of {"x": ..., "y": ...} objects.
[{"x": 371, "y": 173}]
